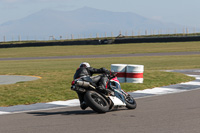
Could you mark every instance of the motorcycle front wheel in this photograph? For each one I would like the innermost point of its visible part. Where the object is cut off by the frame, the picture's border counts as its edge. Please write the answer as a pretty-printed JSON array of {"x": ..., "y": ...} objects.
[
  {"x": 130, "y": 102},
  {"x": 97, "y": 102}
]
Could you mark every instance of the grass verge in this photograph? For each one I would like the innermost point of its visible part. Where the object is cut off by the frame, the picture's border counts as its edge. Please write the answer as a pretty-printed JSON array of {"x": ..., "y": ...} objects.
[
  {"x": 57, "y": 76},
  {"x": 99, "y": 49}
]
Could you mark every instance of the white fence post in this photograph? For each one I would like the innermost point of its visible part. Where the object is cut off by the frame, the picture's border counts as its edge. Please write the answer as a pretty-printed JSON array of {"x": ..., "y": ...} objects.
[
  {"x": 19, "y": 38},
  {"x": 4, "y": 38}
]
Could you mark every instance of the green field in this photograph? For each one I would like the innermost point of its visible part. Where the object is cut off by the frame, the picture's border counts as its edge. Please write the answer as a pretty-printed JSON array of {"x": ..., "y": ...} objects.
[
  {"x": 57, "y": 74},
  {"x": 99, "y": 49}
]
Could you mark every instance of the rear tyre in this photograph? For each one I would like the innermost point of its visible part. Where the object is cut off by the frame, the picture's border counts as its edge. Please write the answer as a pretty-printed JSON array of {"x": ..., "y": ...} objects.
[
  {"x": 97, "y": 102},
  {"x": 130, "y": 102}
]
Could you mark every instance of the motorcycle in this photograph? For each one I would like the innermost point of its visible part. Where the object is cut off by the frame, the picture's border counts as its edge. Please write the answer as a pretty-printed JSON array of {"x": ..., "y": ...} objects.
[{"x": 102, "y": 102}]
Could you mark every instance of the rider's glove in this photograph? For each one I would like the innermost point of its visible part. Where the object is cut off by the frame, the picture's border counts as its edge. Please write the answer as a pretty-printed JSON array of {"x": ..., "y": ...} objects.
[{"x": 113, "y": 73}]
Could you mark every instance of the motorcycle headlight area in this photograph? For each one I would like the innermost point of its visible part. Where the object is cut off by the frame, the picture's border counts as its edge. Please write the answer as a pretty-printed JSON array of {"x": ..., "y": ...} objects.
[{"x": 114, "y": 85}]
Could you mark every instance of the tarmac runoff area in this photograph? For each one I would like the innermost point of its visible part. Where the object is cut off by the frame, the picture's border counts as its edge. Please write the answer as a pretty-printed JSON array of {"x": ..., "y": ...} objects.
[
  {"x": 12, "y": 79},
  {"x": 182, "y": 87}
]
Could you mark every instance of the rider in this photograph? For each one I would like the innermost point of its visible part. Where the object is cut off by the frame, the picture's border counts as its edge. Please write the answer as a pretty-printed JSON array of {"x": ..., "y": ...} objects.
[{"x": 86, "y": 70}]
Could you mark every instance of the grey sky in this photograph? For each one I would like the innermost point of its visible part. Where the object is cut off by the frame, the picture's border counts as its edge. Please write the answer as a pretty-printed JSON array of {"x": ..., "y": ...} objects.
[{"x": 182, "y": 12}]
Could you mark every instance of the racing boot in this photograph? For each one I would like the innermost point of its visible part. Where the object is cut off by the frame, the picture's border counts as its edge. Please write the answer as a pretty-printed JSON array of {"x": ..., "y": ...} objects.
[{"x": 83, "y": 105}]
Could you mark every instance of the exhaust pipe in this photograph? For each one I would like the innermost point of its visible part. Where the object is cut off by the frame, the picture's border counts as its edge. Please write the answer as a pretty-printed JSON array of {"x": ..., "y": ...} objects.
[{"x": 84, "y": 84}]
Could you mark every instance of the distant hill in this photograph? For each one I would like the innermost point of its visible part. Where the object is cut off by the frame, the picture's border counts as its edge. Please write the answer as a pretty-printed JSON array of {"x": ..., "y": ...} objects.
[{"x": 83, "y": 22}]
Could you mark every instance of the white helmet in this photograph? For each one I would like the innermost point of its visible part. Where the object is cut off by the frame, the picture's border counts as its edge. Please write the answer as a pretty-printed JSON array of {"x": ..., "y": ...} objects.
[{"x": 84, "y": 64}]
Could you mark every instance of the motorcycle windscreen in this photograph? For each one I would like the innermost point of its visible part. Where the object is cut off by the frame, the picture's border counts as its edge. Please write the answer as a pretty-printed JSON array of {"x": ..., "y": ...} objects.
[{"x": 117, "y": 91}]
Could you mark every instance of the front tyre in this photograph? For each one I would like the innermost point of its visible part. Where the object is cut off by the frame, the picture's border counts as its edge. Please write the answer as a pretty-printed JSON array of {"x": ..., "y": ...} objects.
[
  {"x": 97, "y": 102},
  {"x": 130, "y": 102}
]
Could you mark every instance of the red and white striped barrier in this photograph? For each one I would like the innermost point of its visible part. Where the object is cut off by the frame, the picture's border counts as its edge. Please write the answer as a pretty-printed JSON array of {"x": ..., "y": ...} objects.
[
  {"x": 134, "y": 73},
  {"x": 121, "y": 71},
  {"x": 128, "y": 73}
]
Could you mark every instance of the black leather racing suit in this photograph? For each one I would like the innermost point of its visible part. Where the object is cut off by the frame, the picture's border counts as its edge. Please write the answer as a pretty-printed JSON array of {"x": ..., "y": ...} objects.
[{"x": 99, "y": 80}]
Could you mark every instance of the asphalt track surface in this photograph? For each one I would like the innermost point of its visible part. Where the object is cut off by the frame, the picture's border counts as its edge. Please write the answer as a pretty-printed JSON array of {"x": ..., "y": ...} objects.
[{"x": 171, "y": 113}]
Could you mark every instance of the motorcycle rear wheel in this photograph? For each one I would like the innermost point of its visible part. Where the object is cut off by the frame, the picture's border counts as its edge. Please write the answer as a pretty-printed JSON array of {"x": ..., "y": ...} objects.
[
  {"x": 130, "y": 102},
  {"x": 97, "y": 102}
]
